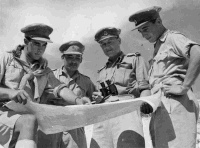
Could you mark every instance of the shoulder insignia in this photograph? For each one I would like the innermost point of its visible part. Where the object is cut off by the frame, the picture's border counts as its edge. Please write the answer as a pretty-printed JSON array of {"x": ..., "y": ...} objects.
[{"x": 133, "y": 54}]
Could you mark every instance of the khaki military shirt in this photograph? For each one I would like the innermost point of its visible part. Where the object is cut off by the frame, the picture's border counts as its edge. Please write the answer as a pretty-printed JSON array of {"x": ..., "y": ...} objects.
[
  {"x": 128, "y": 73},
  {"x": 11, "y": 73},
  {"x": 80, "y": 84},
  {"x": 171, "y": 58}
]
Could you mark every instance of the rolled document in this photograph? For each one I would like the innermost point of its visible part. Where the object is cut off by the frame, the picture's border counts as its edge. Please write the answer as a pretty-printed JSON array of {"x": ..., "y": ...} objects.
[{"x": 55, "y": 119}]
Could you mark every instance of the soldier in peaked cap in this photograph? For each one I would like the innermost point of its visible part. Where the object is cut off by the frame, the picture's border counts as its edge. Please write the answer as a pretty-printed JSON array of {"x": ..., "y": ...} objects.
[
  {"x": 128, "y": 73},
  {"x": 25, "y": 76},
  {"x": 144, "y": 16},
  {"x": 80, "y": 84},
  {"x": 174, "y": 69}
]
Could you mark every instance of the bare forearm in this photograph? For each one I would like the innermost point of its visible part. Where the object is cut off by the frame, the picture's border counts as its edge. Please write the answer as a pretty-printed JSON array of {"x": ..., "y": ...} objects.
[
  {"x": 6, "y": 94},
  {"x": 67, "y": 95},
  {"x": 20, "y": 96},
  {"x": 145, "y": 93},
  {"x": 193, "y": 68}
]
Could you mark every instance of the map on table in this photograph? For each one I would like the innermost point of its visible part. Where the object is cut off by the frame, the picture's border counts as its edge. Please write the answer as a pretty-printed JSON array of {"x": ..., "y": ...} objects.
[{"x": 55, "y": 119}]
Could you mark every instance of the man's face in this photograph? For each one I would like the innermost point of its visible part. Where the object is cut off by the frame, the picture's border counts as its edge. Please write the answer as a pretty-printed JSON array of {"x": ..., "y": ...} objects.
[
  {"x": 72, "y": 61},
  {"x": 35, "y": 49},
  {"x": 149, "y": 31},
  {"x": 111, "y": 46}
]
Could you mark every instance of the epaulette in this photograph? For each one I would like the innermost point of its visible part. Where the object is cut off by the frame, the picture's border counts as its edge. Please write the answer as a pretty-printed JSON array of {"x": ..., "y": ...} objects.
[
  {"x": 133, "y": 54},
  {"x": 176, "y": 32},
  {"x": 54, "y": 69},
  {"x": 47, "y": 70},
  {"x": 84, "y": 75},
  {"x": 98, "y": 71}
]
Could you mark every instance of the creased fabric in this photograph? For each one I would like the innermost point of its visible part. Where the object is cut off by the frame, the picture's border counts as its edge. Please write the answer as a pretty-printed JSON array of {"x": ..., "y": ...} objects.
[{"x": 174, "y": 123}]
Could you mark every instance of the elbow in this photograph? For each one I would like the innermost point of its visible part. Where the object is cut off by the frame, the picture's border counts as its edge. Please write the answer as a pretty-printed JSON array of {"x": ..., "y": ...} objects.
[{"x": 195, "y": 52}]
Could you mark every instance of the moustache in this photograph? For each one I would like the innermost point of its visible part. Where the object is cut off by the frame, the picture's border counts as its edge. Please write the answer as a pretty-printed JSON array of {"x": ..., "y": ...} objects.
[{"x": 73, "y": 64}]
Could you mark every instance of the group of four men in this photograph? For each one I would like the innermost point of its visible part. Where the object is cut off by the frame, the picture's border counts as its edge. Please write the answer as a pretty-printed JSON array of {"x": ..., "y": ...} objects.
[{"x": 24, "y": 75}]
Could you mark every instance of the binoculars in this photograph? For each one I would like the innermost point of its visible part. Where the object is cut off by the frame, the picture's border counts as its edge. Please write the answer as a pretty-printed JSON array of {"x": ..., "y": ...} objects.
[{"x": 108, "y": 89}]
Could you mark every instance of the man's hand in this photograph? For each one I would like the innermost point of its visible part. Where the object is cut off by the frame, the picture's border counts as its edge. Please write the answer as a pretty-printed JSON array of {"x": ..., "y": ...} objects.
[
  {"x": 83, "y": 100},
  {"x": 20, "y": 96},
  {"x": 86, "y": 100},
  {"x": 174, "y": 89},
  {"x": 146, "y": 108},
  {"x": 97, "y": 97}
]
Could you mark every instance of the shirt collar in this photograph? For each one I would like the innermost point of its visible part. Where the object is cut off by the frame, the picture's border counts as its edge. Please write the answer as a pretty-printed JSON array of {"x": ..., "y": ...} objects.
[
  {"x": 164, "y": 35},
  {"x": 120, "y": 56},
  {"x": 62, "y": 71}
]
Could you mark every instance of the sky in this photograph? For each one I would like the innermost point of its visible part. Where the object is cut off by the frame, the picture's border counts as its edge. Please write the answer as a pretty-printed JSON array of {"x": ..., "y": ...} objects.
[{"x": 81, "y": 19}]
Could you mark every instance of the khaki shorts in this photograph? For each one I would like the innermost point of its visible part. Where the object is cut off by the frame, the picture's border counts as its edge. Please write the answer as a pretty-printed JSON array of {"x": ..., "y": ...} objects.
[{"x": 7, "y": 123}]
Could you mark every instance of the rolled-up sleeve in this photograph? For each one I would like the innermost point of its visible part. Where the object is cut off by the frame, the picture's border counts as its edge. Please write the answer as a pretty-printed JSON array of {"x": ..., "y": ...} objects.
[
  {"x": 53, "y": 84},
  {"x": 139, "y": 77},
  {"x": 182, "y": 44}
]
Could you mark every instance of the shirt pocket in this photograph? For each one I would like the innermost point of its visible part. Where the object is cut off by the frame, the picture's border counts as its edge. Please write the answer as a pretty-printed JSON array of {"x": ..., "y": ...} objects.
[
  {"x": 122, "y": 74},
  {"x": 160, "y": 57},
  {"x": 160, "y": 63},
  {"x": 125, "y": 65},
  {"x": 14, "y": 73}
]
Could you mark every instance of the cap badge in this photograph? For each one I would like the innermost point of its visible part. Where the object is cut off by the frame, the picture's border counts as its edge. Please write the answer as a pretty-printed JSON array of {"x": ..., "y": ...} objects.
[
  {"x": 74, "y": 47},
  {"x": 105, "y": 33},
  {"x": 135, "y": 21}
]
